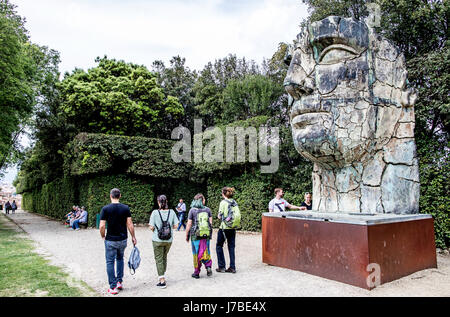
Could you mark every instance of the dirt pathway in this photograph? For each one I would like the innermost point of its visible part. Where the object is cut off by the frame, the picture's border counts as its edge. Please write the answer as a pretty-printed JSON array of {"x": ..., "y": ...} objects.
[{"x": 82, "y": 253}]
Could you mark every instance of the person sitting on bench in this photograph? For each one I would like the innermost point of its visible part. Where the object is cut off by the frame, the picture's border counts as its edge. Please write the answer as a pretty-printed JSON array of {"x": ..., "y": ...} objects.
[{"x": 82, "y": 219}]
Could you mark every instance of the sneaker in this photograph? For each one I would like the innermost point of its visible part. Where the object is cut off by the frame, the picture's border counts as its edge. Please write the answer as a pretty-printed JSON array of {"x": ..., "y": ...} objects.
[
  {"x": 119, "y": 286},
  {"x": 161, "y": 285},
  {"x": 196, "y": 276},
  {"x": 220, "y": 270},
  {"x": 230, "y": 270},
  {"x": 208, "y": 271},
  {"x": 113, "y": 291}
]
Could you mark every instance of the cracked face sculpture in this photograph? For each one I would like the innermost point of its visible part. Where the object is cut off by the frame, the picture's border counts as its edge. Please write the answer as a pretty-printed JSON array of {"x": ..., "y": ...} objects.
[{"x": 352, "y": 115}]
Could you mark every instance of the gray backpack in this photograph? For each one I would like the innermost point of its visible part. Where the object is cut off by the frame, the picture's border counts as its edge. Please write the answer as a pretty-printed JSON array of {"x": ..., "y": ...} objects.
[{"x": 134, "y": 260}]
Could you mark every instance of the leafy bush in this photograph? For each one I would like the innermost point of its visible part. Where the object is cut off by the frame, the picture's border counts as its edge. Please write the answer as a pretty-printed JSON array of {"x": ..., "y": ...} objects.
[{"x": 90, "y": 154}]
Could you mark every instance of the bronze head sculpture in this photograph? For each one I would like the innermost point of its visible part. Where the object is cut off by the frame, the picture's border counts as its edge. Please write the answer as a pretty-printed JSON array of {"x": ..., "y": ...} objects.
[{"x": 353, "y": 117}]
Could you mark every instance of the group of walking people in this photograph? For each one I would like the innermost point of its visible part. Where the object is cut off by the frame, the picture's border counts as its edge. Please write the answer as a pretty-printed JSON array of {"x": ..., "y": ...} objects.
[
  {"x": 162, "y": 220},
  {"x": 10, "y": 207}
]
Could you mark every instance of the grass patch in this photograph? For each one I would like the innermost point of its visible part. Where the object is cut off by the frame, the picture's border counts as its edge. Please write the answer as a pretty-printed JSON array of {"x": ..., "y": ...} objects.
[{"x": 24, "y": 273}]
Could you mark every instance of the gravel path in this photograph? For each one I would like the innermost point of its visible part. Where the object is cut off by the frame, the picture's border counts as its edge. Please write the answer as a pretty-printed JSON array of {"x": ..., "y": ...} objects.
[{"x": 82, "y": 253}]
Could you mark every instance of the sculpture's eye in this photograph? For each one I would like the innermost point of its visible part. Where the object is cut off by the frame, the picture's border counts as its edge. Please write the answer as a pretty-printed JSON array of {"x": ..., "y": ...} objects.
[{"x": 337, "y": 53}]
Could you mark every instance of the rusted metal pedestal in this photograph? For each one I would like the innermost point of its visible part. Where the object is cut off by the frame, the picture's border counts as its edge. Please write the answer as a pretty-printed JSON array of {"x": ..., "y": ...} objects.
[{"x": 361, "y": 250}]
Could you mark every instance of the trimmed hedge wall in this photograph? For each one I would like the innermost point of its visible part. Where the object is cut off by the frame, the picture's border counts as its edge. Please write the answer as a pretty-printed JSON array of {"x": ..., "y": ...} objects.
[
  {"x": 136, "y": 193},
  {"x": 57, "y": 198},
  {"x": 187, "y": 190},
  {"x": 54, "y": 199},
  {"x": 435, "y": 199},
  {"x": 94, "y": 154}
]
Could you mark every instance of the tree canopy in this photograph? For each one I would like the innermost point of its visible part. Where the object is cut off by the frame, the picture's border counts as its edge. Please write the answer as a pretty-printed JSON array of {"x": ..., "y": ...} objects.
[
  {"x": 117, "y": 98},
  {"x": 24, "y": 71}
]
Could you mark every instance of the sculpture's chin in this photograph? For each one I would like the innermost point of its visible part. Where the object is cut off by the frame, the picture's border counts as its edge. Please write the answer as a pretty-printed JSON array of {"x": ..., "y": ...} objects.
[
  {"x": 318, "y": 145},
  {"x": 315, "y": 143}
]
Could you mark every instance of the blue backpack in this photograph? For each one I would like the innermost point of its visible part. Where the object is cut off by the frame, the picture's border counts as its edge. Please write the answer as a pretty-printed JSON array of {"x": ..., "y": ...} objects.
[{"x": 134, "y": 260}]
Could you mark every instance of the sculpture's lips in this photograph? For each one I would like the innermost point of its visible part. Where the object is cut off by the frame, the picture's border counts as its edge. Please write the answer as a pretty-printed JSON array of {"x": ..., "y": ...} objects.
[
  {"x": 307, "y": 104},
  {"x": 311, "y": 118},
  {"x": 307, "y": 111}
]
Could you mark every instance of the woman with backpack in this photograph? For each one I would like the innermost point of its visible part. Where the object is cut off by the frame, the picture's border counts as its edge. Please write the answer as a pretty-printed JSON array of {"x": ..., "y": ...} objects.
[
  {"x": 162, "y": 221},
  {"x": 230, "y": 216},
  {"x": 199, "y": 228}
]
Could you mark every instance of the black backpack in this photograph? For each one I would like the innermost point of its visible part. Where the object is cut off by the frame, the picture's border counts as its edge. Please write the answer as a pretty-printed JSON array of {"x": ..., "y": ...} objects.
[{"x": 165, "y": 232}]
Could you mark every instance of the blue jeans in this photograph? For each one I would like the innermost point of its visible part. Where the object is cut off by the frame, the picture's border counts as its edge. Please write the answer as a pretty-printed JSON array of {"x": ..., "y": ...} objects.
[
  {"x": 230, "y": 236},
  {"x": 75, "y": 224},
  {"x": 181, "y": 219},
  {"x": 114, "y": 251}
]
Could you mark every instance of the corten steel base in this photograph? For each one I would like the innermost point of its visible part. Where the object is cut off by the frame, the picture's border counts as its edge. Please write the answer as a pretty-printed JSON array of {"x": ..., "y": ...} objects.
[{"x": 341, "y": 246}]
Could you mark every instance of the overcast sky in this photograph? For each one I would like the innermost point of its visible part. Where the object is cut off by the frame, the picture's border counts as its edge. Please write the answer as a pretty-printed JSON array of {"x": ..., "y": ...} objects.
[{"x": 142, "y": 31}]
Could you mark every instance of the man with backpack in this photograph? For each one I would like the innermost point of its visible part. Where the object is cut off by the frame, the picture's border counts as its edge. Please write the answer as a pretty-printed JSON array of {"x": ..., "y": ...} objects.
[
  {"x": 118, "y": 217},
  {"x": 161, "y": 223},
  {"x": 230, "y": 217}
]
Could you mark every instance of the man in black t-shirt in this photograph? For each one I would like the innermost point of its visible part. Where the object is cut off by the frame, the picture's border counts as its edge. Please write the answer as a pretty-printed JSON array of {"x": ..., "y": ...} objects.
[
  {"x": 307, "y": 204},
  {"x": 118, "y": 217}
]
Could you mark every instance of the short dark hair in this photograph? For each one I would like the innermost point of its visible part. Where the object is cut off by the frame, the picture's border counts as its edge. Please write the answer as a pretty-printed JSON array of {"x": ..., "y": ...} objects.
[
  {"x": 115, "y": 193},
  {"x": 277, "y": 190},
  {"x": 228, "y": 192}
]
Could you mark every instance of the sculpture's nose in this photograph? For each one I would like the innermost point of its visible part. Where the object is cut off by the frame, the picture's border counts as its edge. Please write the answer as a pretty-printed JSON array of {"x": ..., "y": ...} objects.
[{"x": 297, "y": 83}]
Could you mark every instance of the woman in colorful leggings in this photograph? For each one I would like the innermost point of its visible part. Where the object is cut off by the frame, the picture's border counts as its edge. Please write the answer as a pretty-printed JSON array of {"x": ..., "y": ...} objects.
[{"x": 199, "y": 228}]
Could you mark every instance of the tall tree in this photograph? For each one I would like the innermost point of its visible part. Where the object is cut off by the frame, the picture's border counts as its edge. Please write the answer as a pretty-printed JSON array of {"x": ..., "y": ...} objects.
[
  {"x": 118, "y": 98},
  {"x": 178, "y": 80},
  {"x": 25, "y": 69},
  {"x": 212, "y": 81}
]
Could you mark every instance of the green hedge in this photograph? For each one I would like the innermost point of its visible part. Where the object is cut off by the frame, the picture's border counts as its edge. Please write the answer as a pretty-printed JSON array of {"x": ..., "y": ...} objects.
[
  {"x": 136, "y": 193},
  {"x": 54, "y": 199},
  {"x": 27, "y": 201},
  {"x": 187, "y": 190},
  {"x": 100, "y": 154},
  {"x": 435, "y": 200},
  {"x": 57, "y": 198}
]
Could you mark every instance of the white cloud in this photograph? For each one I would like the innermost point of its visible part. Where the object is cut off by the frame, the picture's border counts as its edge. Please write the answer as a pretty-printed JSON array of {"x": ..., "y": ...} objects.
[{"x": 143, "y": 31}]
